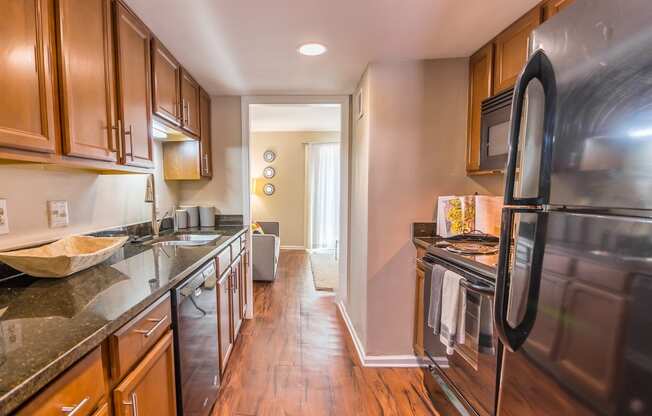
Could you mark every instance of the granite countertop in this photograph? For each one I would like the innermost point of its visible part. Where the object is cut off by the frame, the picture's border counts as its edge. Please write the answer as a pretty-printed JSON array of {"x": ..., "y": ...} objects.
[
  {"x": 485, "y": 265},
  {"x": 46, "y": 325}
]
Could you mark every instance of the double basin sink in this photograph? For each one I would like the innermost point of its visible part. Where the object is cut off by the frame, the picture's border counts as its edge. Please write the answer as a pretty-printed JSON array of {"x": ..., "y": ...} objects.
[{"x": 182, "y": 240}]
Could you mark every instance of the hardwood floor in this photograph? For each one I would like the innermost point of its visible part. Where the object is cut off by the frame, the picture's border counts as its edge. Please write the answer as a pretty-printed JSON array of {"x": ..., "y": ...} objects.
[{"x": 296, "y": 358}]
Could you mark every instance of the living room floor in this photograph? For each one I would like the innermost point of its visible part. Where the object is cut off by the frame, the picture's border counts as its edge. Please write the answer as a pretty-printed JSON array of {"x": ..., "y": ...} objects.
[{"x": 296, "y": 358}]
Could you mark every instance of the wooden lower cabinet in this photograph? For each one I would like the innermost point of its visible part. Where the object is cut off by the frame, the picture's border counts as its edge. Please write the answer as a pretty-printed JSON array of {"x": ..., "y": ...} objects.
[
  {"x": 237, "y": 312},
  {"x": 149, "y": 389},
  {"x": 224, "y": 318},
  {"x": 80, "y": 388},
  {"x": 102, "y": 411}
]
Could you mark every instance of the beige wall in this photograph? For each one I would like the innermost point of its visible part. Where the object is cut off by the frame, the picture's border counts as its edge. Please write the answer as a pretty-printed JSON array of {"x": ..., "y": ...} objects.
[
  {"x": 417, "y": 138},
  {"x": 95, "y": 201},
  {"x": 287, "y": 205},
  {"x": 356, "y": 302},
  {"x": 224, "y": 190}
]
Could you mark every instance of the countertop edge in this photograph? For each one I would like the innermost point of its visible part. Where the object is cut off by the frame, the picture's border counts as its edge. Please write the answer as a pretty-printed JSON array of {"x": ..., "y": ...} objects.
[{"x": 22, "y": 392}]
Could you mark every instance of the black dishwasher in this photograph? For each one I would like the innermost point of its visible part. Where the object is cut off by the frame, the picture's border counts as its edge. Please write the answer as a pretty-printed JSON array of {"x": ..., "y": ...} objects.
[{"x": 194, "y": 304}]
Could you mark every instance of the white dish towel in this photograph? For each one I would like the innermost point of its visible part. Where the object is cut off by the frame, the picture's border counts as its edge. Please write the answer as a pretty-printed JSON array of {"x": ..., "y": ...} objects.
[{"x": 453, "y": 311}]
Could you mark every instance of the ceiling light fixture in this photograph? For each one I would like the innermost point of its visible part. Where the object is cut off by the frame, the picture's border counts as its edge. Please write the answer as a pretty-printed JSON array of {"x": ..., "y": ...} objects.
[{"x": 312, "y": 49}]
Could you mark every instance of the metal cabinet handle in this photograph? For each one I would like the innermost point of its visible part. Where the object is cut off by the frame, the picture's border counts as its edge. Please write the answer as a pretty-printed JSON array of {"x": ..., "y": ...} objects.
[
  {"x": 133, "y": 403},
  {"x": 149, "y": 332},
  {"x": 131, "y": 141},
  {"x": 72, "y": 410}
]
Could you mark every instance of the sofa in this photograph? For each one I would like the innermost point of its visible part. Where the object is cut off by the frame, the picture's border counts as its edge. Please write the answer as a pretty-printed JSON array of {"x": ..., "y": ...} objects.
[{"x": 265, "y": 251}]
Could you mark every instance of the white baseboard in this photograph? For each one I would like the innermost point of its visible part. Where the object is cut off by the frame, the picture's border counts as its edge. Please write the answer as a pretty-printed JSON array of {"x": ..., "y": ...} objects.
[
  {"x": 293, "y": 248},
  {"x": 407, "y": 360}
]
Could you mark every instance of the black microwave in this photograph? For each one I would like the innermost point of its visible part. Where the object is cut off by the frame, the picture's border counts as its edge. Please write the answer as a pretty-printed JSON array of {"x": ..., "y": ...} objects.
[{"x": 495, "y": 121}]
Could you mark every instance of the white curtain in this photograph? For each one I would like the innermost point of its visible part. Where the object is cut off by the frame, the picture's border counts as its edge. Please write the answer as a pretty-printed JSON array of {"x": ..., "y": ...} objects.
[{"x": 324, "y": 193}]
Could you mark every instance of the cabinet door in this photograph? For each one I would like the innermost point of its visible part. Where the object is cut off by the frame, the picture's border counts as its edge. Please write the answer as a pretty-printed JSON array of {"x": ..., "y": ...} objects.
[
  {"x": 480, "y": 88},
  {"x": 133, "y": 47},
  {"x": 28, "y": 106},
  {"x": 552, "y": 7},
  {"x": 224, "y": 318},
  {"x": 206, "y": 159},
  {"x": 150, "y": 388},
  {"x": 512, "y": 50},
  {"x": 236, "y": 289},
  {"x": 166, "y": 93},
  {"x": 245, "y": 283},
  {"x": 190, "y": 104},
  {"x": 87, "y": 102}
]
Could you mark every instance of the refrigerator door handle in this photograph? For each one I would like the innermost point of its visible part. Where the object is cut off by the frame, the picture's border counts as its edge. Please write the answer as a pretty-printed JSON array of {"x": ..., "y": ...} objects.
[
  {"x": 514, "y": 337},
  {"x": 538, "y": 67}
]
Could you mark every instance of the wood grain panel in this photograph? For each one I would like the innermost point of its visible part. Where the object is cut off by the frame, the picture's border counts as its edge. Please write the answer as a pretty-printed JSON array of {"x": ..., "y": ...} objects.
[
  {"x": 552, "y": 7},
  {"x": 150, "y": 388},
  {"x": 190, "y": 104},
  {"x": 181, "y": 160},
  {"x": 80, "y": 386},
  {"x": 166, "y": 73},
  {"x": 28, "y": 103},
  {"x": 134, "y": 87},
  {"x": 206, "y": 157},
  {"x": 87, "y": 78},
  {"x": 129, "y": 343},
  {"x": 512, "y": 50},
  {"x": 480, "y": 88}
]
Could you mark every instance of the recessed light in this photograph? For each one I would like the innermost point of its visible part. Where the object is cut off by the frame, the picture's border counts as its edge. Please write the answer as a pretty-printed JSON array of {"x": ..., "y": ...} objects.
[{"x": 312, "y": 49}]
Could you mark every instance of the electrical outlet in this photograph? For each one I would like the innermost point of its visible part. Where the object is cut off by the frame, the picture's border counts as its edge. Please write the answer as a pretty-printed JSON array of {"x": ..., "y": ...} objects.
[
  {"x": 4, "y": 217},
  {"x": 58, "y": 213}
]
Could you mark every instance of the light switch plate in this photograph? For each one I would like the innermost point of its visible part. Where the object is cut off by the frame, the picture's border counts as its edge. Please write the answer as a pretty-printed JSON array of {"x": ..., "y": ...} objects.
[
  {"x": 4, "y": 217},
  {"x": 58, "y": 213}
]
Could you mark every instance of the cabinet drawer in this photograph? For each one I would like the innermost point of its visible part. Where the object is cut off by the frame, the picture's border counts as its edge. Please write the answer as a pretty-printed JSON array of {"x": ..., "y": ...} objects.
[
  {"x": 223, "y": 261},
  {"x": 131, "y": 342},
  {"x": 236, "y": 246},
  {"x": 80, "y": 388}
]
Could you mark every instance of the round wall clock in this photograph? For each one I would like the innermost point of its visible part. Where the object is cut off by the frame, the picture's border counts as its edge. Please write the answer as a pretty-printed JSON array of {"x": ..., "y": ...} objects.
[
  {"x": 269, "y": 172},
  {"x": 269, "y": 156},
  {"x": 269, "y": 189}
]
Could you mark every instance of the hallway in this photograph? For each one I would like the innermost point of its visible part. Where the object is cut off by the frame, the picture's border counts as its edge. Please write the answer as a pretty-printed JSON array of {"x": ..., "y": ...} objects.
[{"x": 296, "y": 358}]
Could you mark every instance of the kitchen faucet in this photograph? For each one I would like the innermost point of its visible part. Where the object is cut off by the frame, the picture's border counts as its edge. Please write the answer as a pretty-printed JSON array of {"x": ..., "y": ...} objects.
[{"x": 150, "y": 196}]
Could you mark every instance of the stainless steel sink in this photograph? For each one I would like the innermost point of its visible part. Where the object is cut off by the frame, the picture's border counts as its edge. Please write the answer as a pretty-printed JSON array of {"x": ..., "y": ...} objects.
[{"x": 184, "y": 240}]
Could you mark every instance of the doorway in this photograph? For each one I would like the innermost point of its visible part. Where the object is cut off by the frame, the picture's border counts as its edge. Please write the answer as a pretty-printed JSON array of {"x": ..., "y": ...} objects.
[{"x": 325, "y": 171}]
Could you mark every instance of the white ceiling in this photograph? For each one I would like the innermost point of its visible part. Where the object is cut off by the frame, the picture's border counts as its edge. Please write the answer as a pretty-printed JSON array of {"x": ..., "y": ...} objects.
[
  {"x": 248, "y": 47},
  {"x": 294, "y": 117}
]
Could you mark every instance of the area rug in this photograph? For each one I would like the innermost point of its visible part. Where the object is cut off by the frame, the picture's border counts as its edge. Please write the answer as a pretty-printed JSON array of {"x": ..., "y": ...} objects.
[{"x": 324, "y": 267}]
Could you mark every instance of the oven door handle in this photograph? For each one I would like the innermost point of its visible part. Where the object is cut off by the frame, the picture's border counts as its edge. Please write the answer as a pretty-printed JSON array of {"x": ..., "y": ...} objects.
[{"x": 483, "y": 290}]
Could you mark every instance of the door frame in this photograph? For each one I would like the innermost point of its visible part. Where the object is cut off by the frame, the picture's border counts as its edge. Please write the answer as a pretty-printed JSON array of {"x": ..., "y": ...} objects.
[{"x": 345, "y": 134}]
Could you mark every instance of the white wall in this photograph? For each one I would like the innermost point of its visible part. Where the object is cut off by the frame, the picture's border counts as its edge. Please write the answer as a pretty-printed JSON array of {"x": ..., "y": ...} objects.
[
  {"x": 224, "y": 190},
  {"x": 95, "y": 201}
]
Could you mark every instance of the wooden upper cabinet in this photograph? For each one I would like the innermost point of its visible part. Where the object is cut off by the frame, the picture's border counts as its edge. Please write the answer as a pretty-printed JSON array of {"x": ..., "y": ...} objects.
[
  {"x": 552, "y": 7},
  {"x": 28, "y": 102},
  {"x": 190, "y": 104},
  {"x": 512, "y": 50},
  {"x": 150, "y": 388},
  {"x": 87, "y": 79},
  {"x": 480, "y": 88},
  {"x": 134, "y": 87},
  {"x": 166, "y": 76},
  {"x": 205, "y": 160}
]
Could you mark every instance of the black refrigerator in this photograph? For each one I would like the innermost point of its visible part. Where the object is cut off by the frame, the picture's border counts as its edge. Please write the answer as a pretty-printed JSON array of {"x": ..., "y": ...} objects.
[{"x": 573, "y": 304}]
